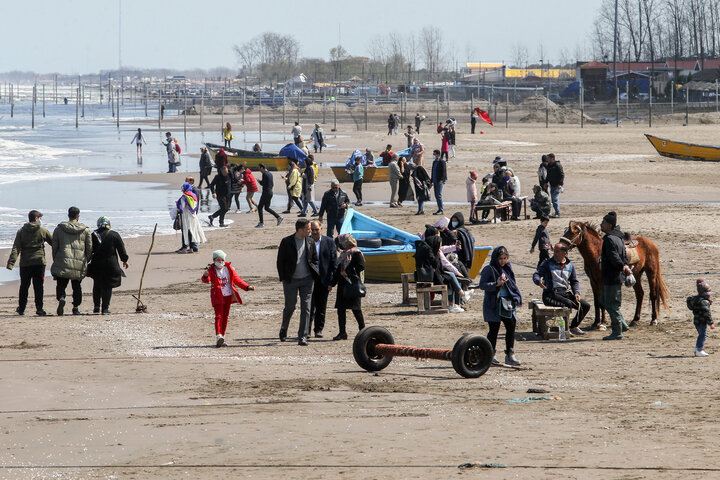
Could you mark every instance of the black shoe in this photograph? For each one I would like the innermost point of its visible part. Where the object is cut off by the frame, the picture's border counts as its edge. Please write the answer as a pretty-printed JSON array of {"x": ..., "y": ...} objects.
[
  {"x": 439, "y": 212},
  {"x": 75, "y": 311},
  {"x": 40, "y": 313},
  {"x": 286, "y": 211},
  {"x": 106, "y": 312},
  {"x": 302, "y": 214},
  {"x": 279, "y": 220},
  {"x": 283, "y": 334},
  {"x": 96, "y": 309},
  {"x": 61, "y": 307},
  {"x": 318, "y": 335},
  {"x": 303, "y": 341},
  {"x": 19, "y": 312},
  {"x": 210, "y": 219},
  {"x": 340, "y": 336},
  {"x": 420, "y": 213}
]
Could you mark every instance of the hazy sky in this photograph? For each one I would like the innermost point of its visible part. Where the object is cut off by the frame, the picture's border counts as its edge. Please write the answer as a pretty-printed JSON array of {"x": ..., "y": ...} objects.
[{"x": 81, "y": 36}]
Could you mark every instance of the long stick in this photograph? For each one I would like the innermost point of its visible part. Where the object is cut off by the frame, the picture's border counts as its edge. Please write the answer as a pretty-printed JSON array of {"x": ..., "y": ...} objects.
[{"x": 142, "y": 277}]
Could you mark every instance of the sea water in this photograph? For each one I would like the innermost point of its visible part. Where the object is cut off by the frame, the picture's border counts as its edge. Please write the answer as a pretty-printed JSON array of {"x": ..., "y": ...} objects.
[{"x": 54, "y": 166}]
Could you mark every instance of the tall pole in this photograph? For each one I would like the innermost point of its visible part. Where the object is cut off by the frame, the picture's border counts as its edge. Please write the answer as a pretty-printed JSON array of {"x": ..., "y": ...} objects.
[
  {"x": 34, "y": 90},
  {"x": 582, "y": 104},
  {"x": 687, "y": 105},
  {"x": 117, "y": 107},
  {"x": 146, "y": 99},
  {"x": 617, "y": 104},
  {"x": 222, "y": 111},
  {"x": 437, "y": 109},
  {"x": 43, "y": 98},
  {"x": 324, "y": 104},
  {"x": 202, "y": 102},
  {"x": 260, "y": 121},
  {"x": 77, "y": 106},
  {"x": 649, "y": 105},
  {"x": 335, "y": 112}
]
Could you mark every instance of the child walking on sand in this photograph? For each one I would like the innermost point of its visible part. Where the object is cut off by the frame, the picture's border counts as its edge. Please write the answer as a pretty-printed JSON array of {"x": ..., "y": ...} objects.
[
  {"x": 222, "y": 279},
  {"x": 700, "y": 306},
  {"x": 472, "y": 196},
  {"x": 542, "y": 240}
]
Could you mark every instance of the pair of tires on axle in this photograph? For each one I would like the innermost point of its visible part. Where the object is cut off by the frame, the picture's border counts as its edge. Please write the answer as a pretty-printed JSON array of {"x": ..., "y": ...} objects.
[{"x": 374, "y": 349}]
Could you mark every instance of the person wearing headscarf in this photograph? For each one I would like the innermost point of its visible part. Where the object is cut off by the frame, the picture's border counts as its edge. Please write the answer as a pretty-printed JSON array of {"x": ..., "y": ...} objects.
[
  {"x": 192, "y": 233},
  {"x": 466, "y": 240},
  {"x": 432, "y": 265},
  {"x": 702, "y": 318},
  {"x": 351, "y": 264},
  {"x": 104, "y": 269},
  {"x": 223, "y": 279},
  {"x": 502, "y": 298}
]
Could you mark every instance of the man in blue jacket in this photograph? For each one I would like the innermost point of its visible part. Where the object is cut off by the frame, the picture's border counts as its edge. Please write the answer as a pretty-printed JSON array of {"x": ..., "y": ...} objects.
[
  {"x": 327, "y": 264},
  {"x": 558, "y": 279},
  {"x": 438, "y": 176}
]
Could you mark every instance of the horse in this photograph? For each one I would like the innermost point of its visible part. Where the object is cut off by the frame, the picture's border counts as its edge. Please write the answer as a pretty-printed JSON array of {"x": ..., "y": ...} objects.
[{"x": 586, "y": 238}]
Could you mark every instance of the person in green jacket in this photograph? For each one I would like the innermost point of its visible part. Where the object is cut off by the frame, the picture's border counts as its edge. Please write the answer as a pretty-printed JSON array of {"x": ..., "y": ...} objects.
[
  {"x": 29, "y": 244},
  {"x": 72, "y": 250}
]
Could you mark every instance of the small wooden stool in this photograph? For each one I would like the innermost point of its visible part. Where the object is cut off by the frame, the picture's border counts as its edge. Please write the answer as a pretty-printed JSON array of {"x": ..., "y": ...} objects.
[
  {"x": 406, "y": 279},
  {"x": 423, "y": 291},
  {"x": 541, "y": 313}
]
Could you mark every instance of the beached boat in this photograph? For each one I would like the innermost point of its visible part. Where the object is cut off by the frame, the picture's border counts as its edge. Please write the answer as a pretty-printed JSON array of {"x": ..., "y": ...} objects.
[
  {"x": 272, "y": 161},
  {"x": 684, "y": 151},
  {"x": 370, "y": 175},
  {"x": 389, "y": 251}
]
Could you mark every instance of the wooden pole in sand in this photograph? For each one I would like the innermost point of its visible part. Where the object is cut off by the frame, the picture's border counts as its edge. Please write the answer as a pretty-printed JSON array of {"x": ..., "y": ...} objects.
[
  {"x": 12, "y": 101},
  {"x": 82, "y": 97},
  {"x": 77, "y": 105},
  {"x": 43, "y": 99},
  {"x": 34, "y": 90},
  {"x": 142, "y": 277}
]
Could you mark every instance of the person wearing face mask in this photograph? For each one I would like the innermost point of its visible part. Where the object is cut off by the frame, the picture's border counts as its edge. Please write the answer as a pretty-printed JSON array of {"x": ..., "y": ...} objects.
[
  {"x": 222, "y": 279},
  {"x": 466, "y": 241},
  {"x": 30, "y": 246}
]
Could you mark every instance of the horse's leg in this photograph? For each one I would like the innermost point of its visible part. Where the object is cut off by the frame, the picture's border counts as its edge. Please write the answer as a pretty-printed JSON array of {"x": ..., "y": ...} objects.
[
  {"x": 654, "y": 299},
  {"x": 639, "y": 295}
]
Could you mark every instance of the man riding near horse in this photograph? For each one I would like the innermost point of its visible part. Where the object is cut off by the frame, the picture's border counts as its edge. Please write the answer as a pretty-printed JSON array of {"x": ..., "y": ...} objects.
[
  {"x": 614, "y": 263},
  {"x": 558, "y": 279}
]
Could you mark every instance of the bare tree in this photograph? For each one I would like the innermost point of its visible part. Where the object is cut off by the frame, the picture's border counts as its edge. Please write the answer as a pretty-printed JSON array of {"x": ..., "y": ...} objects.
[
  {"x": 519, "y": 55},
  {"x": 274, "y": 55},
  {"x": 431, "y": 47}
]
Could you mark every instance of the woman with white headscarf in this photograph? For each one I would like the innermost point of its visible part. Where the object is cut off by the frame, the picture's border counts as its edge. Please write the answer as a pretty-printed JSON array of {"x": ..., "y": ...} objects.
[
  {"x": 192, "y": 233},
  {"x": 104, "y": 268}
]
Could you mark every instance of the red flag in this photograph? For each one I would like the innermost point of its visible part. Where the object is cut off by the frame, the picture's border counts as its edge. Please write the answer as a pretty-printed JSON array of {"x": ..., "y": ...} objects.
[{"x": 484, "y": 115}]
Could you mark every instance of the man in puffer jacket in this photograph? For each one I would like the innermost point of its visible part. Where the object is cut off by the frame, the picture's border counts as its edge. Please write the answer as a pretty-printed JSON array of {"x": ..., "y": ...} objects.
[{"x": 71, "y": 250}]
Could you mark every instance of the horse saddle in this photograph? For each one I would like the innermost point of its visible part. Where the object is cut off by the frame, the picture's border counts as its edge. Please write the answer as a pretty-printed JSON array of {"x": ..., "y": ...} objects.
[{"x": 632, "y": 253}]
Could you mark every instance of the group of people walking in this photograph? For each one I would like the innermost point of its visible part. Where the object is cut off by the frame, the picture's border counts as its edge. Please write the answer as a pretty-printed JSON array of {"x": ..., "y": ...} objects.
[{"x": 77, "y": 252}]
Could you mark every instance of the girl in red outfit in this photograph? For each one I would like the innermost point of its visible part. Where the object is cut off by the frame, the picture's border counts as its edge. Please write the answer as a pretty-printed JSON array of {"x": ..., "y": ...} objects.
[
  {"x": 445, "y": 145},
  {"x": 222, "y": 279},
  {"x": 251, "y": 185}
]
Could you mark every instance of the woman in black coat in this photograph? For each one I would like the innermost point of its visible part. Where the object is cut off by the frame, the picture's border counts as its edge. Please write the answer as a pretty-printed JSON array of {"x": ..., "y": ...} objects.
[
  {"x": 404, "y": 192},
  {"x": 104, "y": 268},
  {"x": 351, "y": 264},
  {"x": 421, "y": 179}
]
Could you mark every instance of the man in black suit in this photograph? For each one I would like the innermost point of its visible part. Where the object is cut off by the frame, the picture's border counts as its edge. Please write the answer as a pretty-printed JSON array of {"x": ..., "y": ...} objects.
[
  {"x": 335, "y": 203},
  {"x": 327, "y": 263},
  {"x": 297, "y": 266}
]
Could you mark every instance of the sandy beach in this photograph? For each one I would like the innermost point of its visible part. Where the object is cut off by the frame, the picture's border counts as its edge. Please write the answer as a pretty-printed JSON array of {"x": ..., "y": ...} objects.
[{"x": 149, "y": 396}]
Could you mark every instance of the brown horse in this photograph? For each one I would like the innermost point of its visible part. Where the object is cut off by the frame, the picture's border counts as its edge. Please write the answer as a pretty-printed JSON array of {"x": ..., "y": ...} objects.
[{"x": 586, "y": 238}]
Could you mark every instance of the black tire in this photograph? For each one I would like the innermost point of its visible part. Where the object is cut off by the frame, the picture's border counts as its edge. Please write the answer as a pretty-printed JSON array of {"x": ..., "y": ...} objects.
[
  {"x": 386, "y": 242},
  {"x": 472, "y": 356},
  {"x": 364, "y": 345},
  {"x": 369, "y": 242}
]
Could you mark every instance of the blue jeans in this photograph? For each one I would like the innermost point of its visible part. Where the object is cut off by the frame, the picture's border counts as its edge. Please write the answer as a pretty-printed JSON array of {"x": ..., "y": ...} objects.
[
  {"x": 455, "y": 287},
  {"x": 555, "y": 198},
  {"x": 438, "y": 187},
  {"x": 702, "y": 335}
]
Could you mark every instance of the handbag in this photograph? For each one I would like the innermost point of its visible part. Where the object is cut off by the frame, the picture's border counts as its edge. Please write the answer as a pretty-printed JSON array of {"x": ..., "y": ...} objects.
[
  {"x": 355, "y": 289},
  {"x": 505, "y": 307},
  {"x": 177, "y": 223},
  {"x": 425, "y": 274}
]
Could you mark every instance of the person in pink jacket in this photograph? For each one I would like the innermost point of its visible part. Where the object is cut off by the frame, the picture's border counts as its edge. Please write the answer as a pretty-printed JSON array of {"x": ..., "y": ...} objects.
[
  {"x": 472, "y": 195},
  {"x": 223, "y": 279},
  {"x": 251, "y": 187}
]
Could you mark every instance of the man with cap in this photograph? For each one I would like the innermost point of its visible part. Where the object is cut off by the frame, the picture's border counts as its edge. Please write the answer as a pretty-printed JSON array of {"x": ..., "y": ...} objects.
[
  {"x": 614, "y": 264},
  {"x": 558, "y": 279},
  {"x": 297, "y": 266},
  {"x": 29, "y": 244},
  {"x": 335, "y": 203}
]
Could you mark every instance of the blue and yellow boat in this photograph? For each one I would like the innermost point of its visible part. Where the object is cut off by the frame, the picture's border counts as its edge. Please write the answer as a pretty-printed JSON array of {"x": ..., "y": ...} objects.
[{"x": 389, "y": 251}]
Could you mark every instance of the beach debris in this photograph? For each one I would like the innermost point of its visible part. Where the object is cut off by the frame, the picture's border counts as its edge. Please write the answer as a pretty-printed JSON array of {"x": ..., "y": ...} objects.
[
  {"x": 537, "y": 390},
  {"x": 141, "y": 307},
  {"x": 532, "y": 399},
  {"x": 464, "y": 466},
  {"x": 658, "y": 403}
]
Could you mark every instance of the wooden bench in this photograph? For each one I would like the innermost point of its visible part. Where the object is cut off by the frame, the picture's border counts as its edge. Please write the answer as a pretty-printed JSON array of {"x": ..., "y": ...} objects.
[
  {"x": 406, "y": 279},
  {"x": 502, "y": 206},
  {"x": 541, "y": 313},
  {"x": 424, "y": 304}
]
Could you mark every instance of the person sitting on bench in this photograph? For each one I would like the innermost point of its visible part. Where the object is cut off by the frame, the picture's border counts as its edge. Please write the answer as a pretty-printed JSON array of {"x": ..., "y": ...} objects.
[
  {"x": 491, "y": 196},
  {"x": 558, "y": 279}
]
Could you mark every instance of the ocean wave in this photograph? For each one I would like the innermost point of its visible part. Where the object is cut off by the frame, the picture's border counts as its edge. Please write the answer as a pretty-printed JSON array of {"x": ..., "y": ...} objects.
[{"x": 14, "y": 150}]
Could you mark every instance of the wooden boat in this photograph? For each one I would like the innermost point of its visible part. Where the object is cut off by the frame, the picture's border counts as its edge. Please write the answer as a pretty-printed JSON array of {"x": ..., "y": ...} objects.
[
  {"x": 252, "y": 159},
  {"x": 684, "y": 151},
  {"x": 370, "y": 175},
  {"x": 389, "y": 251}
]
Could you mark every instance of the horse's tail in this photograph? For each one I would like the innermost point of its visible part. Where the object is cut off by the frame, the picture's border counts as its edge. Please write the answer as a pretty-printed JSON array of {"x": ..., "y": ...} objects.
[{"x": 653, "y": 255}]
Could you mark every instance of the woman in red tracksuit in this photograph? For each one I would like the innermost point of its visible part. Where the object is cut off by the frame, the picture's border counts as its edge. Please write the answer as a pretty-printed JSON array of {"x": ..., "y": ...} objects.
[
  {"x": 222, "y": 279},
  {"x": 251, "y": 186}
]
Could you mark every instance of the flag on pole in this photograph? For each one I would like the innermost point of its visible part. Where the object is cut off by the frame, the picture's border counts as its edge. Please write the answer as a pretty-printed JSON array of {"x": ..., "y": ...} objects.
[{"x": 484, "y": 115}]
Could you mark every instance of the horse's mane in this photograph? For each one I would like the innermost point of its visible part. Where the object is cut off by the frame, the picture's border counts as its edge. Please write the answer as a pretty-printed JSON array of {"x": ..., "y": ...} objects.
[{"x": 592, "y": 227}]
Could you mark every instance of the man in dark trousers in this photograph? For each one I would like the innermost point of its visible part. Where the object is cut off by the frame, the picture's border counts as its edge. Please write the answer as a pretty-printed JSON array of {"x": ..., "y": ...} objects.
[
  {"x": 297, "y": 266},
  {"x": 267, "y": 184},
  {"x": 335, "y": 203},
  {"x": 206, "y": 166},
  {"x": 558, "y": 279},
  {"x": 220, "y": 188},
  {"x": 418, "y": 121},
  {"x": 327, "y": 263},
  {"x": 614, "y": 265},
  {"x": 29, "y": 244},
  {"x": 556, "y": 179},
  {"x": 438, "y": 176},
  {"x": 72, "y": 250}
]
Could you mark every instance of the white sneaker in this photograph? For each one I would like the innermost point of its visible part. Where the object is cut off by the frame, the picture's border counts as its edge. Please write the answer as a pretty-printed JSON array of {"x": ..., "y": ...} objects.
[
  {"x": 219, "y": 341},
  {"x": 467, "y": 295},
  {"x": 701, "y": 353},
  {"x": 577, "y": 331},
  {"x": 237, "y": 210},
  {"x": 456, "y": 309}
]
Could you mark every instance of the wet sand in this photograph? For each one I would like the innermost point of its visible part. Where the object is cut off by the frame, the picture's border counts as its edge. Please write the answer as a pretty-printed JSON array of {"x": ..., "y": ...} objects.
[{"x": 148, "y": 396}]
